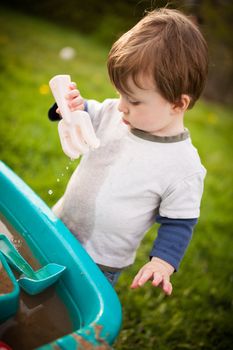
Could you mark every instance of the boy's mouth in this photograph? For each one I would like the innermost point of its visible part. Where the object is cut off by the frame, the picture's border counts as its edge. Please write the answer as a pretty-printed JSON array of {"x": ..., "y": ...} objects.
[{"x": 125, "y": 121}]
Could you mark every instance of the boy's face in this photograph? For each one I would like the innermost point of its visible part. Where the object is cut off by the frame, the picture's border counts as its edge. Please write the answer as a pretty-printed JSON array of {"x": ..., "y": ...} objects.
[{"x": 147, "y": 110}]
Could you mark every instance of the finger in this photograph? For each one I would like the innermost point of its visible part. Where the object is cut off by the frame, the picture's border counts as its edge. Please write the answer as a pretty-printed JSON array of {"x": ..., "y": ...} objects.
[
  {"x": 157, "y": 279},
  {"x": 134, "y": 284},
  {"x": 58, "y": 111},
  {"x": 75, "y": 103},
  {"x": 72, "y": 85},
  {"x": 72, "y": 94},
  {"x": 146, "y": 275},
  {"x": 78, "y": 107},
  {"x": 167, "y": 287}
]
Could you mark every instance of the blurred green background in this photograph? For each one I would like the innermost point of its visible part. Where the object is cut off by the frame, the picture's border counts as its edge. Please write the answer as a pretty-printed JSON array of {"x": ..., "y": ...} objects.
[{"x": 33, "y": 36}]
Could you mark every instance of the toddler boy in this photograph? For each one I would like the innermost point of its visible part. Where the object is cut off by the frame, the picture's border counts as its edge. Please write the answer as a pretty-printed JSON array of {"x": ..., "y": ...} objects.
[{"x": 146, "y": 168}]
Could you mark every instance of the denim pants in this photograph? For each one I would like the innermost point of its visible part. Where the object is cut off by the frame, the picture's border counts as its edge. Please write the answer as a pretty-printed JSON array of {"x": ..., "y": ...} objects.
[{"x": 111, "y": 276}]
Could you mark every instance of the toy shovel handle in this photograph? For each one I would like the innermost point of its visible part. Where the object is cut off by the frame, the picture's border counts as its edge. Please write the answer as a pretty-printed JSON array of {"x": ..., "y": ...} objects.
[{"x": 13, "y": 257}]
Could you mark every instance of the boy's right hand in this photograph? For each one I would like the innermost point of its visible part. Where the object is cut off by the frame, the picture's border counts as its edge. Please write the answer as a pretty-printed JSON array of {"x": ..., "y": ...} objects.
[
  {"x": 74, "y": 99},
  {"x": 75, "y": 128}
]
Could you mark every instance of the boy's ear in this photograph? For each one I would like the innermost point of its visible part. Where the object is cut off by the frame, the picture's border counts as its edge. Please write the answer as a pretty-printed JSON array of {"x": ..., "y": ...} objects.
[{"x": 182, "y": 105}]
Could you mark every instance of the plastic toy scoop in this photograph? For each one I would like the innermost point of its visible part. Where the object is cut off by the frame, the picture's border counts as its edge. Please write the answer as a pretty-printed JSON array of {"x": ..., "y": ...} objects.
[
  {"x": 33, "y": 282},
  {"x": 75, "y": 129},
  {"x": 9, "y": 291}
]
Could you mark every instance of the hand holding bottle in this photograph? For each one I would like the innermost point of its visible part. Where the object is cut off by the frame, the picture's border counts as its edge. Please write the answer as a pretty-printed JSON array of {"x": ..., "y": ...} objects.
[{"x": 75, "y": 129}]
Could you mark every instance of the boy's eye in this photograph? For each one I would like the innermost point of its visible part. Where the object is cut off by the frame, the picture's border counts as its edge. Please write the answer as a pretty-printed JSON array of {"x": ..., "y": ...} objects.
[{"x": 134, "y": 103}]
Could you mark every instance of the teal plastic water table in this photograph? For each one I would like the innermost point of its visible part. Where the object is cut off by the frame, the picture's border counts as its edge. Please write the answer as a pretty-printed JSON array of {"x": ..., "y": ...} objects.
[{"x": 92, "y": 303}]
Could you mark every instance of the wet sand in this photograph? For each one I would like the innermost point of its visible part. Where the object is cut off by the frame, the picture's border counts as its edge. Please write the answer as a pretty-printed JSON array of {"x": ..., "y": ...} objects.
[{"x": 41, "y": 318}]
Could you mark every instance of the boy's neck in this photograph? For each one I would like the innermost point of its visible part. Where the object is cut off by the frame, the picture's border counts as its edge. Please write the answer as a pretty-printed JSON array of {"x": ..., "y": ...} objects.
[{"x": 172, "y": 129}]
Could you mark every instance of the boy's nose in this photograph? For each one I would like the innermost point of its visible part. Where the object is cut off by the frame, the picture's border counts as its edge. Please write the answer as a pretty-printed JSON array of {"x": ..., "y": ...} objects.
[{"x": 122, "y": 107}]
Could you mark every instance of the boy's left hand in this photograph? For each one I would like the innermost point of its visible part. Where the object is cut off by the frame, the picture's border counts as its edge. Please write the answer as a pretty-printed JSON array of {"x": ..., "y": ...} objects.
[{"x": 157, "y": 270}]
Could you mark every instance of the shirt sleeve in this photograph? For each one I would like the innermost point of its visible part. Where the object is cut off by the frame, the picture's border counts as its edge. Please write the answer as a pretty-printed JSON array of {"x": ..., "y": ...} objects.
[
  {"x": 100, "y": 111},
  {"x": 182, "y": 200},
  {"x": 173, "y": 238}
]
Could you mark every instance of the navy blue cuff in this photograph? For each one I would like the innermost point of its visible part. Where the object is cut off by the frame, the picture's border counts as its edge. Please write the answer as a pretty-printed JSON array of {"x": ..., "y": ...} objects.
[
  {"x": 85, "y": 106},
  {"x": 173, "y": 238}
]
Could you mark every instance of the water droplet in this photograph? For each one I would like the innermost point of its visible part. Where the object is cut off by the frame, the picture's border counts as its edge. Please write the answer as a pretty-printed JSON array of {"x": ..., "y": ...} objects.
[
  {"x": 50, "y": 192},
  {"x": 67, "y": 167},
  {"x": 58, "y": 180}
]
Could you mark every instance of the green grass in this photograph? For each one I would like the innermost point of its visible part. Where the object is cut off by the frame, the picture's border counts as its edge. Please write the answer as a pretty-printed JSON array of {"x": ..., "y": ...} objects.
[{"x": 199, "y": 314}]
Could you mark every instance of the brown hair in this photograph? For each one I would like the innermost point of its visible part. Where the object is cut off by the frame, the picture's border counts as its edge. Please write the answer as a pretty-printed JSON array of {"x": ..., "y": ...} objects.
[{"x": 166, "y": 45}]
